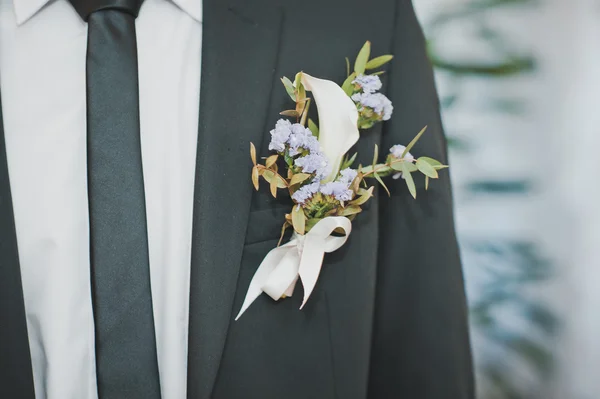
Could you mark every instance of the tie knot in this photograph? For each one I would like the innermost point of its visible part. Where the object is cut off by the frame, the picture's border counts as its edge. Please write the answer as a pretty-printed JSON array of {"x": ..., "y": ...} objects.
[{"x": 86, "y": 7}]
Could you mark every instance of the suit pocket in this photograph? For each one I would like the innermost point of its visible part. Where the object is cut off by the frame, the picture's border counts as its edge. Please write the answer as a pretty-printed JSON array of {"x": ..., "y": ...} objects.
[
  {"x": 265, "y": 225},
  {"x": 275, "y": 350}
]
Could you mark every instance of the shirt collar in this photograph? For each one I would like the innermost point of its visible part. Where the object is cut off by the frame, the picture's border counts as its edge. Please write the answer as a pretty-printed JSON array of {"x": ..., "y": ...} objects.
[{"x": 25, "y": 9}]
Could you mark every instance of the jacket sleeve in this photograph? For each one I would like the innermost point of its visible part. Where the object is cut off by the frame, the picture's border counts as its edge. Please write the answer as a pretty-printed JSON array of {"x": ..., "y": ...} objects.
[{"x": 420, "y": 346}]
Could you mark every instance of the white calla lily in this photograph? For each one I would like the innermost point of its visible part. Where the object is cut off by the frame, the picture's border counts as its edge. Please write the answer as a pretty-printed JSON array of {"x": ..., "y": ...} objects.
[{"x": 338, "y": 118}]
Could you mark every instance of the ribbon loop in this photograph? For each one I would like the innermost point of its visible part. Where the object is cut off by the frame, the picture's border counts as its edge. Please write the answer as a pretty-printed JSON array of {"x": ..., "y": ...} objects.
[{"x": 301, "y": 258}]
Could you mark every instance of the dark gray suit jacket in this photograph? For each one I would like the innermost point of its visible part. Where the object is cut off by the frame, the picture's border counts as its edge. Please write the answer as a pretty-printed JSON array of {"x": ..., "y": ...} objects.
[{"x": 388, "y": 317}]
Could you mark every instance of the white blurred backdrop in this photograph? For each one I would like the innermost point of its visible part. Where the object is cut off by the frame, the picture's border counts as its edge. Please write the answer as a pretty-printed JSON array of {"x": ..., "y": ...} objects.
[{"x": 519, "y": 82}]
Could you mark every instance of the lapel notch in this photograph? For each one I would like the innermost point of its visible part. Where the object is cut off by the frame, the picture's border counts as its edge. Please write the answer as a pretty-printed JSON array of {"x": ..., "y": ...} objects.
[{"x": 239, "y": 54}]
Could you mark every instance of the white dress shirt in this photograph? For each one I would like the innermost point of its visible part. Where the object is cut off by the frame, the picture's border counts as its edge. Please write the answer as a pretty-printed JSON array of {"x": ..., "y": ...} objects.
[{"x": 42, "y": 82}]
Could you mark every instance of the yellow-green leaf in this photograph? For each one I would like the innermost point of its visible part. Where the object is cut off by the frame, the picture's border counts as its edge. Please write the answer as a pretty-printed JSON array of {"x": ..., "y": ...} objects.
[
  {"x": 347, "y": 66},
  {"x": 347, "y": 86},
  {"x": 274, "y": 188},
  {"x": 396, "y": 165},
  {"x": 290, "y": 112},
  {"x": 283, "y": 229},
  {"x": 271, "y": 160},
  {"x": 413, "y": 142},
  {"x": 299, "y": 178},
  {"x": 375, "y": 155},
  {"x": 271, "y": 177},
  {"x": 364, "y": 197},
  {"x": 382, "y": 183},
  {"x": 255, "y": 177},
  {"x": 312, "y": 126},
  {"x": 427, "y": 169},
  {"x": 378, "y": 61},
  {"x": 298, "y": 219},
  {"x": 362, "y": 58},
  {"x": 350, "y": 210},
  {"x": 253, "y": 153},
  {"x": 410, "y": 183},
  {"x": 426, "y": 182},
  {"x": 305, "y": 113},
  {"x": 289, "y": 88}
]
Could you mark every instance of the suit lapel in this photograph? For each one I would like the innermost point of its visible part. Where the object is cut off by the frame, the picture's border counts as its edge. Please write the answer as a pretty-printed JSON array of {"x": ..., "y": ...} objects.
[
  {"x": 16, "y": 378},
  {"x": 239, "y": 53}
]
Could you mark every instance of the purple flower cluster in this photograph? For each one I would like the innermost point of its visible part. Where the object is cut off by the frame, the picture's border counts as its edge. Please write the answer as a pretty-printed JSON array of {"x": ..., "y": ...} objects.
[
  {"x": 368, "y": 83},
  {"x": 380, "y": 104},
  {"x": 396, "y": 151},
  {"x": 314, "y": 163},
  {"x": 296, "y": 136},
  {"x": 340, "y": 189},
  {"x": 306, "y": 192}
]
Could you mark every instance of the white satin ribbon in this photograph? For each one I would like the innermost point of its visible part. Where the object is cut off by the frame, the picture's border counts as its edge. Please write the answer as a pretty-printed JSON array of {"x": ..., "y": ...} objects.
[{"x": 302, "y": 258}]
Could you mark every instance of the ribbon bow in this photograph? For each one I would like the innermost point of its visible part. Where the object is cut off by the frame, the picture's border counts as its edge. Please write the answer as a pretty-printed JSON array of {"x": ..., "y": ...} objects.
[{"x": 302, "y": 258}]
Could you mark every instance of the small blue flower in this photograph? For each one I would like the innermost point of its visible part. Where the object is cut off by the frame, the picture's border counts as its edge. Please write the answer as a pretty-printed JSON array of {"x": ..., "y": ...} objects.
[
  {"x": 302, "y": 137},
  {"x": 280, "y": 135},
  {"x": 314, "y": 163},
  {"x": 305, "y": 193},
  {"x": 368, "y": 83},
  {"x": 397, "y": 151},
  {"x": 380, "y": 104},
  {"x": 337, "y": 189},
  {"x": 347, "y": 175}
]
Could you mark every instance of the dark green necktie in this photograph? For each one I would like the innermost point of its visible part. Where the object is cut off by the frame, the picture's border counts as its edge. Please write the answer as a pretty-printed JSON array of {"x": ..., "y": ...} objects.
[{"x": 126, "y": 359}]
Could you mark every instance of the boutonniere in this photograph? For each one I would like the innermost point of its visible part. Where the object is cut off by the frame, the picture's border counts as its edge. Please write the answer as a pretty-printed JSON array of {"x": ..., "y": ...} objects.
[{"x": 326, "y": 190}]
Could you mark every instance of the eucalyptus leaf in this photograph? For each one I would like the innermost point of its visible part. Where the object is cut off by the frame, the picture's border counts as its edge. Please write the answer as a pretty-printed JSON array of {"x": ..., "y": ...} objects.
[
  {"x": 312, "y": 126},
  {"x": 430, "y": 161},
  {"x": 347, "y": 86},
  {"x": 290, "y": 112},
  {"x": 271, "y": 160},
  {"x": 382, "y": 183},
  {"x": 350, "y": 210},
  {"x": 379, "y": 61},
  {"x": 273, "y": 187},
  {"x": 271, "y": 177},
  {"x": 397, "y": 165},
  {"x": 410, "y": 183},
  {"x": 375, "y": 155},
  {"x": 289, "y": 88},
  {"x": 255, "y": 177},
  {"x": 364, "y": 197},
  {"x": 413, "y": 142},
  {"x": 253, "y": 153},
  {"x": 298, "y": 219},
  {"x": 362, "y": 58},
  {"x": 348, "y": 162},
  {"x": 427, "y": 169},
  {"x": 299, "y": 178}
]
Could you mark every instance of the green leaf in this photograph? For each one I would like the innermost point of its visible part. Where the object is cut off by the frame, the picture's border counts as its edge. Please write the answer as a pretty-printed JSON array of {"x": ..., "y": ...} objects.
[
  {"x": 413, "y": 142},
  {"x": 375, "y": 155},
  {"x": 377, "y": 73},
  {"x": 305, "y": 112},
  {"x": 271, "y": 177},
  {"x": 364, "y": 197},
  {"x": 379, "y": 61},
  {"x": 298, "y": 219},
  {"x": 299, "y": 178},
  {"x": 410, "y": 183},
  {"x": 348, "y": 162},
  {"x": 312, "y": 126},
  {"x": 430, "y": 161},
  {"x": 301, "y": 92},
  {"x": 347, "y": 86},
  {"x": 381, "y": 182},
  {"x": 426, "y": 182},
  {"x": 311, "y": 222},
  {"x": 350, "y": 210},
  {"x": 297, "y": 79},
  {"x": 427, "y": 169},
  {"x": 347, "y": 66},
  {"x": 362, "y": 58},
  {"x": 397, "y": 165},
  {"x": 289, "y": 87}
]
